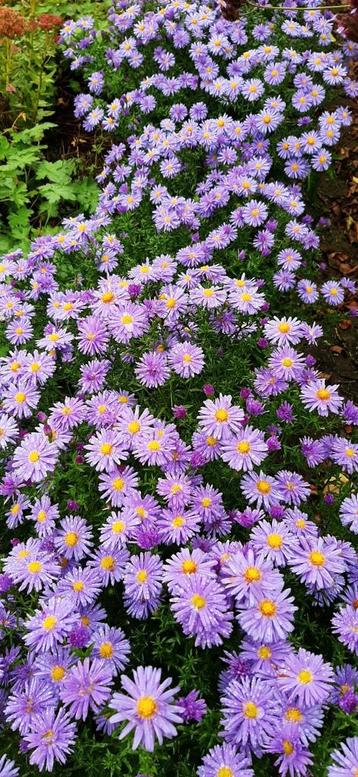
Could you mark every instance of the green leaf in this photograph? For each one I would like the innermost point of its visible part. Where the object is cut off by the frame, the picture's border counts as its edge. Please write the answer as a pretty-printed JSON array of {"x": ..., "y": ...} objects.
[
  {"x": 4, "y": 146},
  {"x": 59, "y": 172}
]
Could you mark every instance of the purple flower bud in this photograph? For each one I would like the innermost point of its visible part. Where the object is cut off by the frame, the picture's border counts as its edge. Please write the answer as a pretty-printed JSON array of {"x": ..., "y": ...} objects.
[
  {"x": 193, "y": 707},
  {"x": 254, "y": 407},
  {"x": 72, "y": 506},
  {"x": 310, "y": 360},
  {"x": 273, "y": 444},
  {"x": 245, "y": 393},
  {"x": 78, "y": 637},
  {"x": 5, "y": 583},
  {"x": 179, "y": 411},
  {"x": 262, "y": 342},
  {"x": 208, "y": 390},
  {"x": 328, "y": 499},
  {"x": 134, "y": 290}
]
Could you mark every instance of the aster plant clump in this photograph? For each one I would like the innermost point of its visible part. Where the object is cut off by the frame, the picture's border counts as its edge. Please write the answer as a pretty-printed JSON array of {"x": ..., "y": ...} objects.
[{"x": 179, "y": 577}]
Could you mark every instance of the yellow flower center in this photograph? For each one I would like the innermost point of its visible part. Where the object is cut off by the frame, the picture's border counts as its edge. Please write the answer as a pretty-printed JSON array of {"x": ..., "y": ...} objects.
[
  {"x": 118, "y": 484},
  {"x": 35, "y": 366},
  {"x": 268, "y": 608},
  {"x": 211, "y": 441},
  {"x": 118, "y": 527},
  {"x": 49, "y": 623},
  {"x": 57, "y": 673},
  {"x": 78, "y": 585},
  {"x": 71, "y": 539},
  {"x": 293, "y": 715},
  {"x": 198, "y": 601},
  {"x": 41, "y": 516},
  {"x": 178, "y": 521},
  {"x": 317, "y": 558},
  {"x": 221, "y": 415},
  {"x": 188, "y": 566},
  {"x": 243, "y": 447},
  {"x": 108, "y": 563},
  {"x": 274, "y": 540},
  {"x": 252, "y": 575},
  {"x": 246, "y": 296},
  {"x": 34, "y": 567},
  {"x": 146, "y": 707},
  {"x": 263, "y": 487},
  {"x": 284, "y": 327},
  {"x": 106, "y": 448},
  {"x": 305, "y": 676},
  {"x": 142, "y": 576},
  {"x": 33, "y": 457},
  {"x": 20, "y": 397},
  {"x": 264, "y": 652},
  {"x": 154, "y": 445},
  {"x": 108, "y": 296},
  {"x": 250, "y": 710},
  {"x": 127, "y": 319},
  {"x": 106, "y": 650},
  {"x": 323, "y": 393},
  {"x": 224, "y": 771},
  {"x": 287, "y": 747},
  {"x": 133, "y": 427},
  {"x": 287, "y": 362}
]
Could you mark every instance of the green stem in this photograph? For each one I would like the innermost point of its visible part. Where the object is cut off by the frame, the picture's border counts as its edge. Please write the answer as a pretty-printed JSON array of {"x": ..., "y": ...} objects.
[{"x": 7, "y": 61}]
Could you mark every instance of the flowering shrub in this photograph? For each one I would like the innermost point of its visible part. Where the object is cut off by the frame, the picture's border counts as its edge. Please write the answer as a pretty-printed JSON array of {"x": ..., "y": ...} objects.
[{"x": 178, "y": 581}]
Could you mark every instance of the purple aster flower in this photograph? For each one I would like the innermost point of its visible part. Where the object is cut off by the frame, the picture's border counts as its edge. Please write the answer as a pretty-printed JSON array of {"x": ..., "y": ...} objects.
[
  {"x": 345, "y": 760},
  {"x": 246, "y": 576},
  {"x": 273, "y": 541},
  {"x": 73, "y": 538},
  {"x": 7, "y": 767},
  {"x": 344, "y": 453},
  {"x": 225, "y": 761},
  {"x": 305, "y": 677},
  {"x": 86, "y": 686},
  {"x": 186, "y": 359},
  {"x": 220, "y": 418},
  {"x": 111, "y": 646},
  {"x": 345, "y": 625},
  {"x": 201, "y": 608},
  {"x": 245, "y": 450},
  {"x": 148, "y": 706},
  {"x": 35, "y": 457},
  {"x": 332, "y": 292},
  {"x": 270, "y": 618},
  {"x": 260, "y": 488},
  {"x": 317, "y": 561},
  {"x": 152, "y": 369},
  {"x": 348, "y": 512},
  {"x": 142, "y": 584},
  {"x": 249, "y": 712},
  {"x": 317, "y": 396},
  {"x": 293, "y": 757},
  {"x": 193, "y": 708},
  {"x": 105, "y": 450},
  {"x": 23, "y": 706},
  {"x": 51, "y": 738},
  {"x": 50, "y": 625}
]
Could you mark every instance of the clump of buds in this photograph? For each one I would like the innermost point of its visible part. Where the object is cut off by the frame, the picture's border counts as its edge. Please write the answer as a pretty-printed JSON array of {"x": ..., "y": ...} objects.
[{"x": 12, "y": 24}]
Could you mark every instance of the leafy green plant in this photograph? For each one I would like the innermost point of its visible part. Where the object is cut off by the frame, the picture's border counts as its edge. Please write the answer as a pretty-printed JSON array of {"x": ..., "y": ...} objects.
[{"x": 33, "y": 189}]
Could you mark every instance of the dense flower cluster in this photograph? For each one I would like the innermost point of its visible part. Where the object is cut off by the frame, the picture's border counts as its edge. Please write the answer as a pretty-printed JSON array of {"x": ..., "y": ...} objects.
[{"x": 126, "y": 505}]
